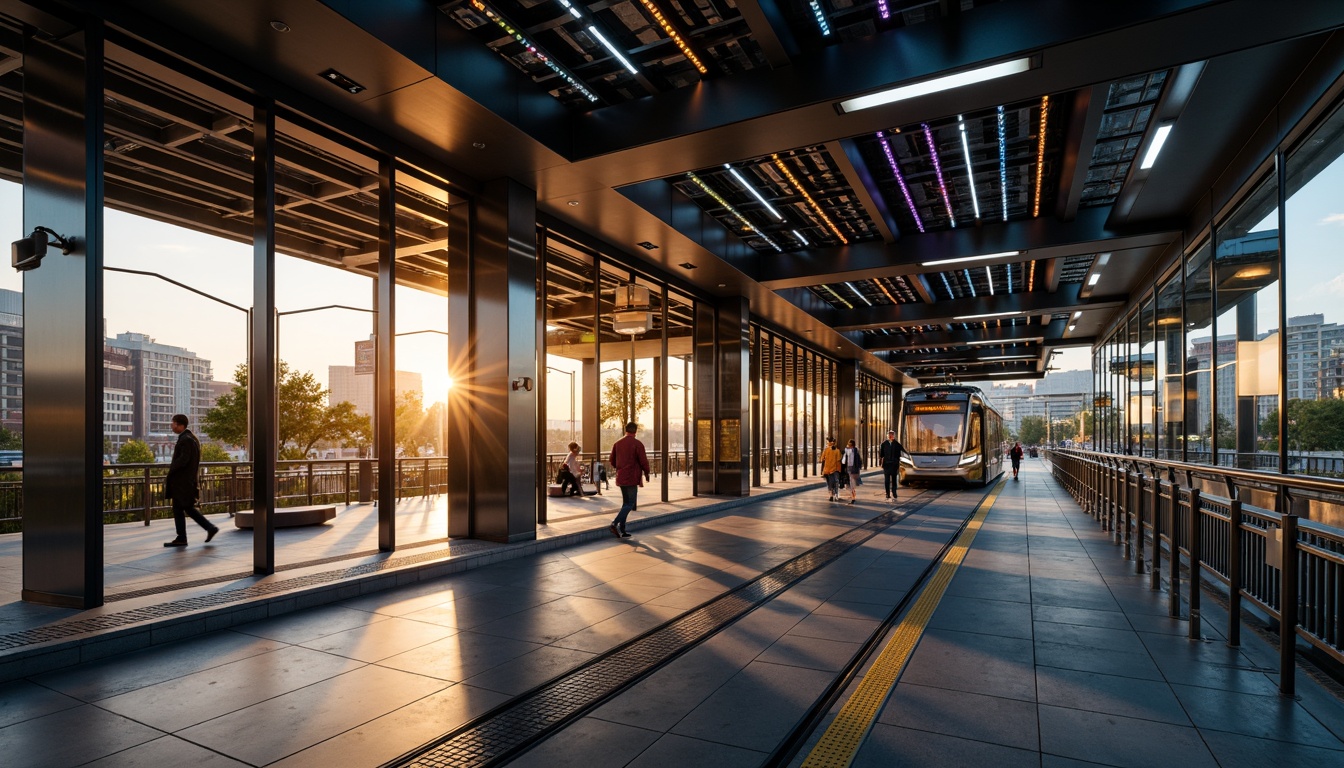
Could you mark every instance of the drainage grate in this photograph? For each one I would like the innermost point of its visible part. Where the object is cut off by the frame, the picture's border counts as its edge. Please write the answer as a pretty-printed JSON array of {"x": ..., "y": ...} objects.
[
  {"x": 529, "y": 717},
  {"x": 113, "y": 620}
]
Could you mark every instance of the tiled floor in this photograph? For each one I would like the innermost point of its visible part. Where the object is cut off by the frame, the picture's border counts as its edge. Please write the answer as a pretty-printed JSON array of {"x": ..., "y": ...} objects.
[{"x": 1046, "y": 651}]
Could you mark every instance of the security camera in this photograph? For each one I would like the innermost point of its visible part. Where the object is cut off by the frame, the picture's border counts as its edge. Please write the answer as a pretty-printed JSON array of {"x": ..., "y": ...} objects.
[{"x": 26, "y": 253}]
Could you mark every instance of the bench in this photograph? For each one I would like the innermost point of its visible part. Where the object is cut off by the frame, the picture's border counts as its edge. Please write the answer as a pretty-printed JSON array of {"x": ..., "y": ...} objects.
[{"x": 289, "y": 517}]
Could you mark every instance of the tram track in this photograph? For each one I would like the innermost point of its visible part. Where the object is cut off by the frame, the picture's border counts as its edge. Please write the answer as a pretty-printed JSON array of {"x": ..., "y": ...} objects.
[{"x": 497, "y": 736}]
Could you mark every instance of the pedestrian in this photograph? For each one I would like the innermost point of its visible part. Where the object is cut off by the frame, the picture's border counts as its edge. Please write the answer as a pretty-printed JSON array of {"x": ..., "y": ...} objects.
[
  {"x": 182, "y": 484},
  {"x": 632, "y": 469},
  {"x": 571, "y": 472},
  {"x": 1015, "y": 455},
  {"x": 830, "y": 468},
  {"x": 890, "y": 453},
  {"x": 853, "y": 465}
]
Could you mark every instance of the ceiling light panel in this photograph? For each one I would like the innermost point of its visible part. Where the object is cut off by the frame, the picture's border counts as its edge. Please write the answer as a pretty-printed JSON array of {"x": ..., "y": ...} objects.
[
  {"x": 957, "y": 170},
  {"x": 1124, "y": 123}
]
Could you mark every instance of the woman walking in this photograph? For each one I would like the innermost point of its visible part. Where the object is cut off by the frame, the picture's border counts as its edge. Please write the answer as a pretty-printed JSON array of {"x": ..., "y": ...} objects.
[
  {"x": 830, "y": 468},
  {"x": 854, "y": 465}
]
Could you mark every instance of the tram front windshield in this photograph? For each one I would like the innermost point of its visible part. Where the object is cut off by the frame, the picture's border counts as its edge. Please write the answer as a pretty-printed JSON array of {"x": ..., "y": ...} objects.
[{"x": 934, "y": 429}]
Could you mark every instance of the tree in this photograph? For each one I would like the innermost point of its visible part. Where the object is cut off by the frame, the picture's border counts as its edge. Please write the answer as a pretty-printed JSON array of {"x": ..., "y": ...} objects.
[
  {"x": 135, "y": 452},
  {"x": 1032, "y": 430},
  {"x": 614, "y": 410},
  {"x": 305, "y": 417},
  {"x": 1313, "y": 425},
  {"x": 10, "y": 440},
  {"x": 417, "y": 430}
]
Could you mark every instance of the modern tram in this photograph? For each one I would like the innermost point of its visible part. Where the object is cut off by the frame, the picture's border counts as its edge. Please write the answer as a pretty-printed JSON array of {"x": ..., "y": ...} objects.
[{"x": 951, "y": 432}]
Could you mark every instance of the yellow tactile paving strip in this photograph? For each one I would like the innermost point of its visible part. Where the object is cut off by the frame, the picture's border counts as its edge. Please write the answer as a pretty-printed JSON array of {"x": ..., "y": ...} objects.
[{"x": 842, "y": 739}]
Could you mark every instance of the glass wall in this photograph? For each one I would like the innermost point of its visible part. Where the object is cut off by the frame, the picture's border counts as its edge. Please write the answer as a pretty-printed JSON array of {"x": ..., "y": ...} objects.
[
  {"x": 1168, "y": 387},
  {"x": 796, "y": 389},
  {"x": 1200, "y": 381},
  {"x": 1314, "y": 288}
]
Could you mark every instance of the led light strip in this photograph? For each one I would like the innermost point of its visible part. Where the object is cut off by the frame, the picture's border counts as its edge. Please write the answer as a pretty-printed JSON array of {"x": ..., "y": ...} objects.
[
  {"x": 948, "y": 286},
  {"x": 821, "y": 18},
  {"x": 1040, "y": 156},
  {"x": 883, "y": 9},
  {"x": 799, "y": 235},
  {"x": 794, "y": 181},
  {"x": 753, "y": 191},
  {"x": 728, "y": 206},
  {"x": 990, "y": 276},
  {"x": 672, "y": 35},
  {"x": 884, "y": 290},
  {"x": 856, "y": 293},
  {"x": 970, "y": 174},
  {"x": 1010, "y": 277},
  {"x": 938, "y": 169},
  {"x": 969, "y": 283},
  {"x": 507, "y": 26},
  {"x": 891, "y": 160},
  {"x": 838, "y": 297},
  {"x": 1003, "y": 163},
  {"x": 592, "y": 30},
  {"x": 1031, "y": 278}
]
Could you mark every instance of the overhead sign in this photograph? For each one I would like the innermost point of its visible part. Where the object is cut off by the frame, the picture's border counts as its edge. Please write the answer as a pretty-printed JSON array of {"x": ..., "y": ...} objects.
[
  {"x": 365, "y": 360},
  {"x": 936, "y": 407}
]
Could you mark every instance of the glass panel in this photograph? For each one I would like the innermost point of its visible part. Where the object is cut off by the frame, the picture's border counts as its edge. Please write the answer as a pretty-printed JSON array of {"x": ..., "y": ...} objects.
[
  {"x": 1169, "y": 391},
  {"x": 1315, "y": 278},
  {"x": 1149, "y": 401},
  {"x": 934, "y": 432},
  {"x": 680, "y": 395},
  {"x": 617, "y": 387},
  {"x": 1199, "y": 354},
  {"x": 1246, "y": 279},
  {"x": 646, "y": 353}
]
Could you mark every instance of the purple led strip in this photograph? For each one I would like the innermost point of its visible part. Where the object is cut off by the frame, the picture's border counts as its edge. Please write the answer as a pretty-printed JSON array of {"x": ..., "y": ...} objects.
[
  {"x": 882, "y": 9},
  {"x": 938, "y": 168},
  {"x": 891, "y": 159}
]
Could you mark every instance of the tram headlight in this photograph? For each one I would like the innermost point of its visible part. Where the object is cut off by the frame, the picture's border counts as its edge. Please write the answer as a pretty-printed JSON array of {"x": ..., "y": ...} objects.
[{"x": 967, "y": 461}]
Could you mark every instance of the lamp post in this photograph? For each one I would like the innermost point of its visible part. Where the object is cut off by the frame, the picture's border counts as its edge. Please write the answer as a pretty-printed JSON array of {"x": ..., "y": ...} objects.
[{"x": 570, "y": 374}]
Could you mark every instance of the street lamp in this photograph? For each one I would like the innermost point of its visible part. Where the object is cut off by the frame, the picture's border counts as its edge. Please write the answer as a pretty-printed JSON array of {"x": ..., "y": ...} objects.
[{"x": 570, "y": 374}]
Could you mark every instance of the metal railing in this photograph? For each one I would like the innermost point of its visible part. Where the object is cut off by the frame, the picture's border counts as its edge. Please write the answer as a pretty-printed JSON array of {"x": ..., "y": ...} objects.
[
  {"x": 1237, "y": 527},
  {"x": 674, "y": 463},
  {"x": 135, "y": 491}
]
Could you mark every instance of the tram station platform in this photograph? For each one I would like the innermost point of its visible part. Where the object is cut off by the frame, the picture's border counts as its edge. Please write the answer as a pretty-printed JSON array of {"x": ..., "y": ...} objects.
[{"x": 953, "y": 628}]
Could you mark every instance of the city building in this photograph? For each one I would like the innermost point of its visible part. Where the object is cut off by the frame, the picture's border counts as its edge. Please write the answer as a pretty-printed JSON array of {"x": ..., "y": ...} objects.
[
  {"x": 344, "y": 384},
  {"x": 11, "y": 360},
  {"x": 166, "y": 380},
  {"x": 118, "y": 399}
]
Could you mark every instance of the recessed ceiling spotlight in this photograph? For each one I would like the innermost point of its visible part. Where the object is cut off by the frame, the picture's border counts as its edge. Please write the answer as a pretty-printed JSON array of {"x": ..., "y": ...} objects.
[
  {"x": 341, "y": 81},
  {"x": 478, "y": 144},
  {"x": 686, "y": 265},
  {"x": 279, "y": 26},
  {"x": 646, "y": 245},
  {"x": 723, "y": 285}
]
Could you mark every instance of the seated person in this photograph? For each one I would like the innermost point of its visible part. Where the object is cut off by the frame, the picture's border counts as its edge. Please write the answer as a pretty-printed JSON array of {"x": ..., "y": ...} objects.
[{"x": 571, "y": 473}]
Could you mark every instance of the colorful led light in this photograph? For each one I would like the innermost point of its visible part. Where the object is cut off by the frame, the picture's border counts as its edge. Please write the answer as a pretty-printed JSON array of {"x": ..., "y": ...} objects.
[
  {"x": 885, "y": 291},
  {"x": 970, "y": 174},
  {"x": 1040, "y": 156},
  {"x": 1003, "y": 163},
  {"x": 838, "y": 297},
  {"x": 891, "y": 160},
  {"x": 856, "y": 293},
  {"x": 1010, "y": 277},
  {"x": 883, "y": 9},
  {"x": 753, "y": 191},
  {"x": 671, "y": 34},
  {"x": 728, "y": 207},
  {"x": 1031, "y": 277},
  {"x": 821, "y": 18},
  {"x": 505, "y": 25},
  {"x": 967, "y": 273},
  {"x": 948, "y": 286},
  {"x": 794, "y": 181},
  {"x": 938, "y": 169}
]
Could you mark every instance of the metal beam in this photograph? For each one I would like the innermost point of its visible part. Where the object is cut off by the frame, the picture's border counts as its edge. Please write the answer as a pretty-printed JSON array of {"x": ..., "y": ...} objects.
[
  {"x": 770, "y": 30},
  {"x": 845, "y": 155},
  {"x": 944, "y": 312},
  {"x": 1039, "y": 238},
  {"x": 1080, "y": 139}
]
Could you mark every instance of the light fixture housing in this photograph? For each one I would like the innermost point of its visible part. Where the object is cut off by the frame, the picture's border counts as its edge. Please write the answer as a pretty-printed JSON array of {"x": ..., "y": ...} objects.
[
  {"x": 1155, "y": 146},
  {"x": 988, "y": 315},
  {"x": 936, "y": 84},
  {"x": 960, "y": 259}
]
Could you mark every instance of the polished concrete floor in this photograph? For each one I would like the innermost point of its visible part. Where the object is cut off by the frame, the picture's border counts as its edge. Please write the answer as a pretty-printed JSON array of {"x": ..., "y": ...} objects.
[{"x": 1047, "y": 650}]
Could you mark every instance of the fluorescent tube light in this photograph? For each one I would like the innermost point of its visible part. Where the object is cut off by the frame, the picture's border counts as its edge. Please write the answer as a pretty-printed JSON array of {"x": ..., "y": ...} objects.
[
  {"x": 799, "y": 235},
  {"x": 983, "y": 342},
  {"x": 1159, "y": 138},
  {"x": 598, "y": 36},
  {"x": 960, "y": 259},
  {"x": 1091, "y": 281},
  {"x": 1010, "y": 357},
  {"x": 1077, "y": 314},
  {"x": 1006, "y": 373},
  {"x": 934, "y": 85},
  {"x": 970, "y": 174},
  {"x": 753, "y": 191},
  {"x": 987, "y": 315}
]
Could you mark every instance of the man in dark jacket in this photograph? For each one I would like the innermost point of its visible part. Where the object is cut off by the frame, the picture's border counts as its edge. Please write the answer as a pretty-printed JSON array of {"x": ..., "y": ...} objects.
[
  {"x": 632, "y": 469},
  {"x": 890, "y": 453},
  {"x": 181, "y": 484}
]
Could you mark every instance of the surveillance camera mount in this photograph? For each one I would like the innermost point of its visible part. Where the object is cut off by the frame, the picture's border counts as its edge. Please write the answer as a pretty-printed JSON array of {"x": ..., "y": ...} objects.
[{"x": 66, "y": 244}]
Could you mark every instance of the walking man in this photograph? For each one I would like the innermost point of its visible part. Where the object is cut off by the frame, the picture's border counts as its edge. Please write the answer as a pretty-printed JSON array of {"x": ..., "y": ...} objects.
[
  {"x": 182, "y": 486},
  {"x": 1015, "y": 455},
  {"x": 890, "y": 453},
  {"x": 632, "y": 469}
]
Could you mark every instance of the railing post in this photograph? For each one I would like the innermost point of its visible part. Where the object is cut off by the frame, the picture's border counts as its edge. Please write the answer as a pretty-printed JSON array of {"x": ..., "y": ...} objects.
[
  {"x": 146, "y": 496},
  {"x": 1130, "y": 549},
  {"x": 310, "y": 482},
  {"x": 233, "y": 489},
  {"x": 1196, "y": 553},
  {"x": 1154, "y": 562},
  {"x": 346, "y": 472},
  {"x": 1233, "y": 565},
  {"x": 1174, "y": 561},
  {"x": 1288, "y": 597}
]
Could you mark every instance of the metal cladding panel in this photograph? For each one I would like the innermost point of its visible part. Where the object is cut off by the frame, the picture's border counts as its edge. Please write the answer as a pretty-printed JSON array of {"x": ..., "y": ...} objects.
[
  {"x": 734, "y": 385},
  {"x": 63, "y": 308},
  {"x": 706, "y": 398}
]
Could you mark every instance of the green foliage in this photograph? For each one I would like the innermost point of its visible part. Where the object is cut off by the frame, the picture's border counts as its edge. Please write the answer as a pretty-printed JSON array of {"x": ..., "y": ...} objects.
[
  {"x": 135, "y": 452},
  {"x": 1032, "y": 430},
  {"x": 417, "y": 430},
  {"x": 305, "y": 417},
  {"x": 10, "y": 440},
  {"x": 614, "y": 410},
  {"x": 1313, "y": 425}
]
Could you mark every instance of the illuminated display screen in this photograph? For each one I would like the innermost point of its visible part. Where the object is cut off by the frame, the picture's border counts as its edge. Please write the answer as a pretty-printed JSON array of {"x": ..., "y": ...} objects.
[{"x": 935, "y": 407}]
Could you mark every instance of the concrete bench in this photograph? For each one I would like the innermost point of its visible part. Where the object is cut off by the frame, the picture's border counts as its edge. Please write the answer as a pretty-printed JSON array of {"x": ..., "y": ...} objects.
[{"x": 289, "y": 517}]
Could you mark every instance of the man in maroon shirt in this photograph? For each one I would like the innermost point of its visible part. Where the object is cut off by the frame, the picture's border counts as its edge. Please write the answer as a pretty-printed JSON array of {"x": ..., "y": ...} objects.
[{"x": 632, "y": 469}]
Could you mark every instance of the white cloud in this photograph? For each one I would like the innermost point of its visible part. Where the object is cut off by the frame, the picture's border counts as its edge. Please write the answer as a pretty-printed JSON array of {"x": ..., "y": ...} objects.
[
  {"x": 1334, "y": 218},
  {"x": 1333, "y": 287}
]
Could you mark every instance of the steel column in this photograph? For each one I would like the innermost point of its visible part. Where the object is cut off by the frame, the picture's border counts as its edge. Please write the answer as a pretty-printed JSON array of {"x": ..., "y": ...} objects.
[
  {"x": 63, "y": 315},
  {"x": 458, "y": 449},
  {"x": 706, "y": 398},
  {"x": 263, "y": 367},
  {"x": 385, "y": 342},
  {"x": 732, "y": 361}
]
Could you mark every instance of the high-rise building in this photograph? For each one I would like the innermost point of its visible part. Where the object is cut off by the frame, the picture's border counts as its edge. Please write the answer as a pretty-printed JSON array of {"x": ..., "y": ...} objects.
[
  {"x": 357, "y": 388},
  {"x": 118, "y": 398},
  {"x": 167, "y": 380},
  {"x": 11, "y": 359}
]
